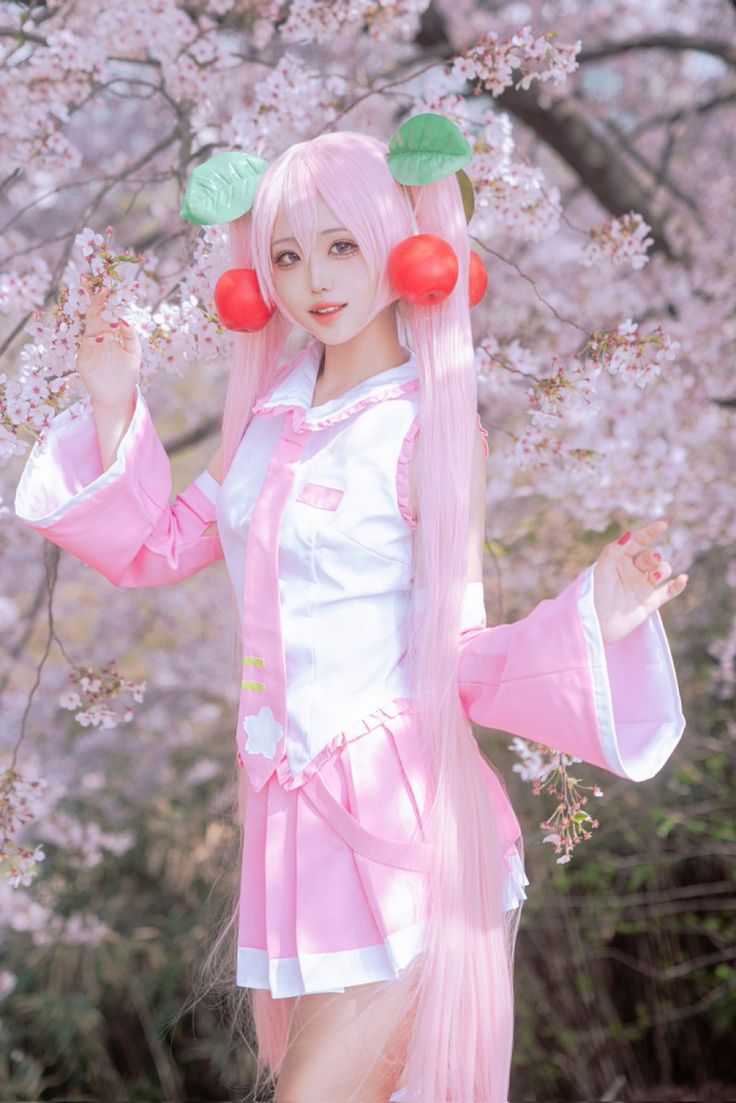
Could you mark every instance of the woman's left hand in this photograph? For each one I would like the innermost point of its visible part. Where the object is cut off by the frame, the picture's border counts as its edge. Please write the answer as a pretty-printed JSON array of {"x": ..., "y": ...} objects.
[{"x": 626, "y": 581}]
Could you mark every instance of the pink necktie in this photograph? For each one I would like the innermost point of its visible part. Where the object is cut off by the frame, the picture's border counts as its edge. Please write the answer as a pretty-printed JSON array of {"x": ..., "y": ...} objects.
[{"x": 262, "y": 719}]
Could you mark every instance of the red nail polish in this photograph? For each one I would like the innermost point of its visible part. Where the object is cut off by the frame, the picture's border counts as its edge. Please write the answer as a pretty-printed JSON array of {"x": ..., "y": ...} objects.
[
  {"x": 126, "y": 323},
  {"x": 98, "y": 339},
  {"x": 657, "y": 557},
  {"x": 656, "y": 576},
  {"x": 113, "y": 325},
  {"x": 625, "y": 538}
]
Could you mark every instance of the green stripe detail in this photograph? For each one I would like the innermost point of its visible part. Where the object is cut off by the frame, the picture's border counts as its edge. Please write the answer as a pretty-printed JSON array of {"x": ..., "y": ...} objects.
[
  {"x": 248, "y": 660},
  {"x": 253, "y": 685}
]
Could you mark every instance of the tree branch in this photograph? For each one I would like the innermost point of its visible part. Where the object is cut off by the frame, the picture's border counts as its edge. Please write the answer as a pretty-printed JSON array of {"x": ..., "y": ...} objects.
[
  {"x": 673, "y": 42},
  {"x": 724, "y": 100},
  {"x": 563, "y": 127}
]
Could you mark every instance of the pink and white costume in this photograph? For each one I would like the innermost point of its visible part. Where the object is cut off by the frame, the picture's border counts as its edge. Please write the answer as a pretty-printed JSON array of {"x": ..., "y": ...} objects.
[{"x": 315, "y": 525}]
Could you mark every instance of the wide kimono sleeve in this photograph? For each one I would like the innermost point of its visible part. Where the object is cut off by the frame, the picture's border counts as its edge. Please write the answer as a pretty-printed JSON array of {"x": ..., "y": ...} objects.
[
  {"x": 549, "y": 678},
  {"x": 118, "y": 521}
]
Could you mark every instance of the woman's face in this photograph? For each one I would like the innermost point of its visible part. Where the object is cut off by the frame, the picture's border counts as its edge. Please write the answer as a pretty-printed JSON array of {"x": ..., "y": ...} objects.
[{"x": 333, "y": 274}]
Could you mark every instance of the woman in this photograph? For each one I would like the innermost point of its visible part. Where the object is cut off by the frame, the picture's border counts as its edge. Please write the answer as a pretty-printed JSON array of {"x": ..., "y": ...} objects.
[{"x": 382, "y": 863}]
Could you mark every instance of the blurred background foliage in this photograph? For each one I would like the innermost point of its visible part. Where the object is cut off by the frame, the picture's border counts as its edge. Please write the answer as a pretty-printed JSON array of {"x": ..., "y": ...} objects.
[{"x": 625, "y": 963}]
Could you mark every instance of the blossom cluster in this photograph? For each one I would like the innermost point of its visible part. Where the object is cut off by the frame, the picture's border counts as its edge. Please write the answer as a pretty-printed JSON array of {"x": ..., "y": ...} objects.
[
  {"x": 171, "y": 335},
  {"x": 547, "y": 769},
  {"x": 17, "y": 795},
  {"x": 21, "y": 912},
  {"x": 83, "y": 844},
  {"x": 492, "y": 61},
  {"x": 509, "y": 192},
  {"x": 557, "y": 398},
  {"x": 24, "y": 289},
  {"x": 93, "y": 693},
  {"x": 294, "y": 99},
  {"x": 48, "y": 377},
  {"x": 623, "y": 350},
  {"x": 322, "y": 20},
  {"x": 620, "y": 240},
  {"x": 35, "y": 97},
  {"x": 40, "y": 87},
  {"x": 508, "y": 189}
]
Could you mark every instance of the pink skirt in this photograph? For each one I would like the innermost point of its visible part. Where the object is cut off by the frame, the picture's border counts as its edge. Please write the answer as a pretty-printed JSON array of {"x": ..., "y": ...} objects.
[{"x": 334, "y": 874}]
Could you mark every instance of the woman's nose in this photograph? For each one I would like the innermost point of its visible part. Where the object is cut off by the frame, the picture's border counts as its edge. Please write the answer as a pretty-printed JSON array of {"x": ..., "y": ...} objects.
[{"x": 318, "y": 277}]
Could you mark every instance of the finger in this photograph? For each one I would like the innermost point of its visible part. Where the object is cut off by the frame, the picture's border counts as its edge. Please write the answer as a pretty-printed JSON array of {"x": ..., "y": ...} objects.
[
  {"x": 95, "y": 322},
  {"x": 639, "y": 539},
  {"x": 87, "y": 283},
  {"x": 97, "y": 301},
  {"x": 660, "y": 574},
  {"x": 670, "y": 589},
  {"x": 647, "y": 559},
  {"x": 129, "y": 337}
]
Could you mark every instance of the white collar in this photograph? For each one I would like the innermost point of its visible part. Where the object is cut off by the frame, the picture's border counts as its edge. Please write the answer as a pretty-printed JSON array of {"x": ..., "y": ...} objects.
[{"x": 295, "y": 390}]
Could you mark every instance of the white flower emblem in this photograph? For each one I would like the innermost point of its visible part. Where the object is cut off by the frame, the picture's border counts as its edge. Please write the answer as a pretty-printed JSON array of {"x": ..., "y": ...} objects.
[{"x": 264, "y": 733}]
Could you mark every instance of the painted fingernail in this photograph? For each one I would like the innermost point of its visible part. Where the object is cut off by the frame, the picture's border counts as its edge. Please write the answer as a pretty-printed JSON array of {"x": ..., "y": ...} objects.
[
  {"x": 656, "y": 576},
  {"x": 113, "y": 325},
  {"x": 625, "y": 538},
  {"x": 657, "y": 556},
  {"x": 126, "y": 324},
  {"x": 98, "y": 339}
]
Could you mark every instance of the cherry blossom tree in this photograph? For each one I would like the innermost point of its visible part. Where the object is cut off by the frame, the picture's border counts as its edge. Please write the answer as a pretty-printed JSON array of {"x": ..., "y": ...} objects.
[{"x": 603, "y": 144}]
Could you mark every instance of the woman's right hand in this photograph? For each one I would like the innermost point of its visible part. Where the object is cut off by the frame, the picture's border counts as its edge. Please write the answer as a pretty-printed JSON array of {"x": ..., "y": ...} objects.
[{"x": 109, "y": 366}]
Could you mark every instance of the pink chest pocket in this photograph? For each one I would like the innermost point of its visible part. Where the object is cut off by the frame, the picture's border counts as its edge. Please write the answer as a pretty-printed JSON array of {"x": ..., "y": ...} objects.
[{"x": 323, "y": 497}]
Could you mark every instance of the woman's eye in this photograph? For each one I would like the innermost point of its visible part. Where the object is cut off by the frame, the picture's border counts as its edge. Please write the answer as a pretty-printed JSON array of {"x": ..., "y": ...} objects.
[{"x": 344, "y": 249}]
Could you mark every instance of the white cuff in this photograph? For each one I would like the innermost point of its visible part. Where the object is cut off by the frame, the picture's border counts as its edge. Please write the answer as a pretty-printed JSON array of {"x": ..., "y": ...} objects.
[
  {"x": 208, "y": 485},
  {"x": 635, "y": 691},
  {"x": 65, "y": 470}
]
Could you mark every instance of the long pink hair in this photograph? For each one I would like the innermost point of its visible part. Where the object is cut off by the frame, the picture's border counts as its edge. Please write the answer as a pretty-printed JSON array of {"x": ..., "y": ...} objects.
[{"x": 459, "y": 1044}]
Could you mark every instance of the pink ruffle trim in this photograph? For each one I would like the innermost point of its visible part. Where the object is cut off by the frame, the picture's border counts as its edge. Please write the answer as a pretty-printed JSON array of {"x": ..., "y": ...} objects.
[
  {"x": 402, "y": 468},
  {"x": 396, "y": 707},
  {"x": 299, "y": 417},
  {"x": 484, "y": 434},
  {"x": 402, "y": 474}
]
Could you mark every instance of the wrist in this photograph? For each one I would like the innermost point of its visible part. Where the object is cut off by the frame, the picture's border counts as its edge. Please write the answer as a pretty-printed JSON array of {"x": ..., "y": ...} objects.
[
  {"x": 116, "y": 409},
  {"x": 112, "y": 424}
]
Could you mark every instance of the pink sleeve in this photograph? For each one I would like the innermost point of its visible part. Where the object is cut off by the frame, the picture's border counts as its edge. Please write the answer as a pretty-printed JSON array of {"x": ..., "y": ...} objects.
[
  {"x": 118, "y": 521},
  {"x": 402, "y": 468},
  {"x": 550, "y": 678}
]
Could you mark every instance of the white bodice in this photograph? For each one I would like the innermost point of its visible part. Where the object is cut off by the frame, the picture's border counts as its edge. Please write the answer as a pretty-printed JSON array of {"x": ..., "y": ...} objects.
[{"x": 345, "y": 549}]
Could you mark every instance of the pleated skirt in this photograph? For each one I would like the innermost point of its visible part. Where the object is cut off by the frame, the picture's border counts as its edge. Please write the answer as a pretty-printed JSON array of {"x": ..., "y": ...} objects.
[{"x": 334, "y": 876}]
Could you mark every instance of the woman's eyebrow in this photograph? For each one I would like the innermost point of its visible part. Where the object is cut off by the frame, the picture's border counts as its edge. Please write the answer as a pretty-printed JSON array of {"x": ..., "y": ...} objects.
[{"x": 332, "y": 230}]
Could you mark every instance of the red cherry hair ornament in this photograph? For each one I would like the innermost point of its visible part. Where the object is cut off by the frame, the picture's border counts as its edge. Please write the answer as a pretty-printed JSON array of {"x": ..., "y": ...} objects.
[
  {"x": 478, "y": 278},
  {"x": 239, "y": 302},
  {"x": 423, "y": 269}
]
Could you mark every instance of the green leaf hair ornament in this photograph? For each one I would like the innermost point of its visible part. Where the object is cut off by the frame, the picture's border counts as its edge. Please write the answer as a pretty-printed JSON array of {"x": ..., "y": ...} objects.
[
  {"x": 222, "y": 188},
  {"x": 427, "y": 148}
]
